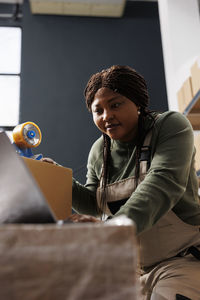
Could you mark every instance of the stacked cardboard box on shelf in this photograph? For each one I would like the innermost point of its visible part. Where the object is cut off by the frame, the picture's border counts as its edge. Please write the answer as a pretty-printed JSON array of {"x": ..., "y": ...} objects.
[
  {"x": 195, "y": 80},
  {"x": 185, "y": 95},
  {"x": 195, "y": 76},
  {"x": 197, "y": 146},
  {"x": 190, "y": 87}
]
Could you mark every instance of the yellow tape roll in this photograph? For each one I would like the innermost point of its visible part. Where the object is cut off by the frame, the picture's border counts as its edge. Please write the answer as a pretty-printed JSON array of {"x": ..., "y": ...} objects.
[{"x": 27, "y": 135}]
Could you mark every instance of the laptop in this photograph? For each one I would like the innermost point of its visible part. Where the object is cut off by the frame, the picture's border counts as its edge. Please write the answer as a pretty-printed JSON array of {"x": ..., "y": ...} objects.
[{"x": 24, "y": 188}]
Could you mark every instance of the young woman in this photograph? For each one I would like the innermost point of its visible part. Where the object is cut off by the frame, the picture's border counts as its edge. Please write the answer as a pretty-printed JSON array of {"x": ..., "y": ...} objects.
[{"x": 143, "y": 167}]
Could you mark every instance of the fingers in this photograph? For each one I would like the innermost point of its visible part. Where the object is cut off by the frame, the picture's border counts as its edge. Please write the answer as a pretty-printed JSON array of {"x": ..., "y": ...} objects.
[
  {"x": 49, "y": 160},
  {"x": 76, "y": 218}
]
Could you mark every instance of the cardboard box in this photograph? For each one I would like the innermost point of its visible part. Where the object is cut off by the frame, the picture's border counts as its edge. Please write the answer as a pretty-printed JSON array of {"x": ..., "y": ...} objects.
[
  {"x": 181, "y": 100},
  {"x": 188, "y": 91},
  {"x": 185, "y": 94},
  {"x": 195, "y": 72},
  {"x": 55, "y": 182},
  {"x": 197, "y": 146},
  {"x": 73, "y": 261}
]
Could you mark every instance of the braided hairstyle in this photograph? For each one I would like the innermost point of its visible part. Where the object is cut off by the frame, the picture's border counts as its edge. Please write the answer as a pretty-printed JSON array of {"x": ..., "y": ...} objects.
[{"x": 129, "y": 83}]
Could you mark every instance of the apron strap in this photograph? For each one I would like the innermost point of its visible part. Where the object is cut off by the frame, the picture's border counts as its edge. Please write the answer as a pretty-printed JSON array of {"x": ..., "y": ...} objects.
[{"x": 145, "y": 154}]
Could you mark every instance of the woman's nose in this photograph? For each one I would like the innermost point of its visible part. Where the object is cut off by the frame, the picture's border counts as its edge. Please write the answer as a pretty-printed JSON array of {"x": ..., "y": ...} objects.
[{"x": 107, "y": 115}]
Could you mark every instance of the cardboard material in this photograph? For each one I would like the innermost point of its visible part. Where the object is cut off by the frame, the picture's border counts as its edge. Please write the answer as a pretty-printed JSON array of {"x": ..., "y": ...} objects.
[
  {"x": 195, "y": 72},
  {"x": 181, "y": 101},
  {"x": 185, "y": 94},
  {"x": 55, "y": 182},
  {"x": 69, "y": 262},
  {"x": 188, "y": 91},
  {"x": 197, "y": 146}
]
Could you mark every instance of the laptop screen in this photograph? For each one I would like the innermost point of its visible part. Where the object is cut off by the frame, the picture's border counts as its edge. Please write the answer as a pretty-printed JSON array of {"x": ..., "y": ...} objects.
[{"x": 21, "y": 200}]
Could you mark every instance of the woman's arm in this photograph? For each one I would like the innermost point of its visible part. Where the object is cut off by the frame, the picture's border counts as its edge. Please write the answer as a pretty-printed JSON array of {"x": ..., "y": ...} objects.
[
  {"x": 167, "y": 177},
  {"x": 83, "y": 199},
  {"x": 84, "y": 196}
]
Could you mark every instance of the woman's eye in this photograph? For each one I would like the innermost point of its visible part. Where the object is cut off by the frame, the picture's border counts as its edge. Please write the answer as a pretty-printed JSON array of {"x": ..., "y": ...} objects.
[
  {"x": 116, "y": 105},
  {"x": 97, "y": 111}
]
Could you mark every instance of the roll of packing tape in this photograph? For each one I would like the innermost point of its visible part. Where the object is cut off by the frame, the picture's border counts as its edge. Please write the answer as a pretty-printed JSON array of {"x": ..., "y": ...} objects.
[{"x": 27, "y": 135}]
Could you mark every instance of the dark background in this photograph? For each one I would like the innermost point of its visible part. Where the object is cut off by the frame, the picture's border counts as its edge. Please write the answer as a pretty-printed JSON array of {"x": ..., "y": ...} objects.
[{"x": 59, "y": 53}]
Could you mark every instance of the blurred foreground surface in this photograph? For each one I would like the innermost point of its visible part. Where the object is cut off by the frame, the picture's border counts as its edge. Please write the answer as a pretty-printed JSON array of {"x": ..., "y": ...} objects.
[{"x": 72, "y": 261}]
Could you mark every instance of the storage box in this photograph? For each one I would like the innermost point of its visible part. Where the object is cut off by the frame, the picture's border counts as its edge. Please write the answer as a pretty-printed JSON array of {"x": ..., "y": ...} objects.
[
  {"x": 55, "y": 182},
  {"x": 188, "y": 91},
  {"x": 185, "y": 94},
  {"x": 197, "y": 146},
  {"x": 181, "y": 100},
  {"x": 195, "y": 72},
  {"x": 71, "y": 262}
]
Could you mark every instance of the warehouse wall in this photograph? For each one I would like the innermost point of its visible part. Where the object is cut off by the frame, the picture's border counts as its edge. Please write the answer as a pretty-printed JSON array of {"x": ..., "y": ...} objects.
[
  {"x": 180, "y": 27},
  {"x": 59, "y": 53}
]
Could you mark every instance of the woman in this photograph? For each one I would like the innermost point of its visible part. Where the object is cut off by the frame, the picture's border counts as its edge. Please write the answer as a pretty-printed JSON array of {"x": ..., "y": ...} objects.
[{"x": 143, "y": 167}]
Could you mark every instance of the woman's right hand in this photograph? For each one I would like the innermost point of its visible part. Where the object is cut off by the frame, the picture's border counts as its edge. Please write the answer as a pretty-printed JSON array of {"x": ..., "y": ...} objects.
[{"x": 77, "y": 218}]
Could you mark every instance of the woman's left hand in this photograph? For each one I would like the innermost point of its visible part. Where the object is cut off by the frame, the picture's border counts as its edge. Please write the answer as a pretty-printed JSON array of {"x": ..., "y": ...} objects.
[
  {"x": 49, "y": 160},
  {"x": 76, "y": 218}
]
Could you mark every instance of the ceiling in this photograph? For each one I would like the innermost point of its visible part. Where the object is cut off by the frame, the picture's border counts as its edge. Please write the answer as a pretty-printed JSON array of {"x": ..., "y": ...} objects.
[{"x": 103, "y": 8}]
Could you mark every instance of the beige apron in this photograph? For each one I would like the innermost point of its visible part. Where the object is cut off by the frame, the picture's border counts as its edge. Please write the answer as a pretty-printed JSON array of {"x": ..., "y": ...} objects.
[{"x": 169, "y": 237}]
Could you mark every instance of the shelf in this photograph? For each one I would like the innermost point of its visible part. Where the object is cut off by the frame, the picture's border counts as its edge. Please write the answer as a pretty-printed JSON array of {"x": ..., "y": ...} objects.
[{"x": 192, "y": 111}]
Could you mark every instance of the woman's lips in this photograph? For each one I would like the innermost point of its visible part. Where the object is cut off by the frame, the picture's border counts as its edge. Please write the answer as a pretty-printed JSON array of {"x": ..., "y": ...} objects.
[{"x": 111, "y": 127}]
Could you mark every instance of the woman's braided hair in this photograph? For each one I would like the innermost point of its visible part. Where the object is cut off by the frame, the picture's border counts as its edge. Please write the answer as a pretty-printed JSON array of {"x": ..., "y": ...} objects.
[{"x": 129, "y": 83}]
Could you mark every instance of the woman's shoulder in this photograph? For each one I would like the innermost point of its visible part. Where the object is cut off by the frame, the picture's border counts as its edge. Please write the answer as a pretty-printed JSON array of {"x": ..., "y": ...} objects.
[
  {"x": 98, "y": 143},
  {"x": 171, "y": 125},
  {"x": 96, "y": 149},
  {"x": 172, "y": 120}
]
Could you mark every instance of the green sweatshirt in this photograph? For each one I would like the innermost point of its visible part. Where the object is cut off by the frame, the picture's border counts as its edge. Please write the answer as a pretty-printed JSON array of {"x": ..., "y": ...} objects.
[{"x": 171, "y": 181}]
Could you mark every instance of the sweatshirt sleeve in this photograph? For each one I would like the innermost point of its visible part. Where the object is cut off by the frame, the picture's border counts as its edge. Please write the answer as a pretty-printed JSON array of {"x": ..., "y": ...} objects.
[
  {"x": 84, "y": 196},
  {"x": 167, "y": 177}
]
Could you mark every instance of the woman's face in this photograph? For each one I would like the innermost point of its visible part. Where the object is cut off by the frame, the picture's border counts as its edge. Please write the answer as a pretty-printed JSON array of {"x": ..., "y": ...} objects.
[{"x": 115, "y": 115}]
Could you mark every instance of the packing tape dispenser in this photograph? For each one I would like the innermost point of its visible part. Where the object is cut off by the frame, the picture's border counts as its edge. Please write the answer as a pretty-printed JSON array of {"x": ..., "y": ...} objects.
[{"x": 26, "y": 136}]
